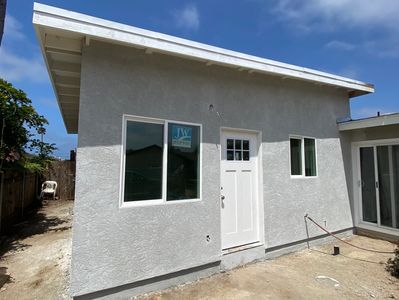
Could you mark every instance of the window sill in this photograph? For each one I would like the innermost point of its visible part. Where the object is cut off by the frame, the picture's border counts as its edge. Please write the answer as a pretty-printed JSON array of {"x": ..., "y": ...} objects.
[
  {"x": 303, "y": 177},
  {"x": 144, "y": 203}
]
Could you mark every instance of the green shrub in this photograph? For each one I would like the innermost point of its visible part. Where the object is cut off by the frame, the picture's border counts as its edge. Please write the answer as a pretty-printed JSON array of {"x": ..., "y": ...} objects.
[{"x": 393, "y": 264}]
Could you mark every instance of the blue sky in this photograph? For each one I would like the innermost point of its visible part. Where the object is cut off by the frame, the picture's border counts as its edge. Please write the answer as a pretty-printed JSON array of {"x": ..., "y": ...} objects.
[{"x": 354, "y": 38}]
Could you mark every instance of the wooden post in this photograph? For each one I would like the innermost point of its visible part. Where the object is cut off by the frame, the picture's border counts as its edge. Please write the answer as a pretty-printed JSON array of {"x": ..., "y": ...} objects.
[
  {"x": 23, "y": 193},
  {"x": 1, "y": 194}
]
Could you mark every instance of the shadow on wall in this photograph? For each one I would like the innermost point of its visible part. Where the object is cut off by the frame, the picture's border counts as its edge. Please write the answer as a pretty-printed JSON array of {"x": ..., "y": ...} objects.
[{"x": 346, "y": 148}]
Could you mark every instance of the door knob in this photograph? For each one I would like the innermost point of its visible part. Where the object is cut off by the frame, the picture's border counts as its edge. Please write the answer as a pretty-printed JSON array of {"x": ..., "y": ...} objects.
[{"x": 222, "y": 197}]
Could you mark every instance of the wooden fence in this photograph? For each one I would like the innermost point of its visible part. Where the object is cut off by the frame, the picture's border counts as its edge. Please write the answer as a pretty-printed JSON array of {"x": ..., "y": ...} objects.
[
  {"x": 21, "y": 191},
  {"x": 63, "y": 172}
]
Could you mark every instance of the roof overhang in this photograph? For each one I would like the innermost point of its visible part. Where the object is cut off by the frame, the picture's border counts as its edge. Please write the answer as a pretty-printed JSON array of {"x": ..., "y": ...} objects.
[
  {"x": 62, "y": 33},
  {"x": 384, "y": 120}
]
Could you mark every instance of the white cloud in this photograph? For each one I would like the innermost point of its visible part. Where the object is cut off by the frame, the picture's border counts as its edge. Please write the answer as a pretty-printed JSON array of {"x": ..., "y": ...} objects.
[
  {"x": 17, "y": 68},
  {"x": 349, "y": 72},
  {"x": 188, "y": 17},
  {"x": 373, "y": 23},
  {"x": 329, "y": 14},
  {"x": 340, "y": 45},
  {"x": 13, "y": 28}
]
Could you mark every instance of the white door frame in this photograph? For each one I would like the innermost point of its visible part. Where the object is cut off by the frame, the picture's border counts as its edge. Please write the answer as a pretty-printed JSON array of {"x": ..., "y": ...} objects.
[
  {"x": 260, "y": 202},
  {"x": 357, "y": 197}
]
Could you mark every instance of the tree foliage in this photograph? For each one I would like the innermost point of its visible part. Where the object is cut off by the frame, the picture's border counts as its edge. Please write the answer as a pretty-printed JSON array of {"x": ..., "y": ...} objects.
[{"x": 19, "y": 124}]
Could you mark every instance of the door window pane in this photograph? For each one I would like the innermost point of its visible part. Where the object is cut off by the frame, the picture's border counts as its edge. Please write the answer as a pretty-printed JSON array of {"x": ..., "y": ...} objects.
[
  {"x": 245, "y": 145},
  {"x": 241, "y": 148},
  {"x": 230, "y": 144},
  {"x": 245, "y": 155},
  {"x": 230, "y": 155},
  {"x": 310, "y": 157},
  {"x": 384, "y": 185},
  {"x": 367, "y": 171},
  {"x": 183, "y": 162},
  {"x": 238, "y": 144},
  {"x": 296, "y": 159},
  {"x": 143, "y": 161},
  {"x": 238, "y": 155}
]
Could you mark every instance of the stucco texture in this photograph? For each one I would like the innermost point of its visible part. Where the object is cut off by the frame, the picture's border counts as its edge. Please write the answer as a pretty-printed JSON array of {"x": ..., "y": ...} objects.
[{"x": 113, "y": 246}]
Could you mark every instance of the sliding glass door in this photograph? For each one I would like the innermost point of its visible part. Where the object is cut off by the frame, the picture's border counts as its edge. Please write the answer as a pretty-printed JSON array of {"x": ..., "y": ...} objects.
[
  {"x": 369, "y": 195},
  {"x": 379, "y": 185}
]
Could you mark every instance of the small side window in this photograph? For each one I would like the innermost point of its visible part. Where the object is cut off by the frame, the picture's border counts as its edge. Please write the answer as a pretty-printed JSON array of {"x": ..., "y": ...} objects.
[{"x": 303, "y": 157}]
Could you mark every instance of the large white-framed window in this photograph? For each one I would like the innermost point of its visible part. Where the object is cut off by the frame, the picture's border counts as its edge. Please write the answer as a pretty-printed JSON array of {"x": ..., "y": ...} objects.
[
  {"x": 161, "y": 161},
  {"x": 303, "y": 156}
]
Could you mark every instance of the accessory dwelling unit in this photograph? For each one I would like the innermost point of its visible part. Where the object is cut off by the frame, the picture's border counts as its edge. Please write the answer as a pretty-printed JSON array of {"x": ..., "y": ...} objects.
[{"x": 192, "y": 159}]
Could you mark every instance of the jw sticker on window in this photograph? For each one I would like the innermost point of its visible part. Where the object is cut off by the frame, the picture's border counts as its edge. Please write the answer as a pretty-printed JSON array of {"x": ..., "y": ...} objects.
[{"x": 181, "y": 136}]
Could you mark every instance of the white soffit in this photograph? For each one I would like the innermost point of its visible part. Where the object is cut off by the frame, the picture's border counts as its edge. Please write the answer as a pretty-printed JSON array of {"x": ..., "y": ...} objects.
[
  {"x": 384, "y": 120},
  {"x": 61, "y": 34}
]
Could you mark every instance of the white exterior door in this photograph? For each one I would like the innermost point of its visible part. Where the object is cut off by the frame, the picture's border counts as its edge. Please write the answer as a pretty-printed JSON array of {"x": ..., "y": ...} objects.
[{"x": 239, "y": 188}]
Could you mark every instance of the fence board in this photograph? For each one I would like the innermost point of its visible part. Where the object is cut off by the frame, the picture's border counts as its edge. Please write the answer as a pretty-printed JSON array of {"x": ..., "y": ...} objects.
[
  {"x": 63, "y": 172},
  {"x": 21, "y": 191}
]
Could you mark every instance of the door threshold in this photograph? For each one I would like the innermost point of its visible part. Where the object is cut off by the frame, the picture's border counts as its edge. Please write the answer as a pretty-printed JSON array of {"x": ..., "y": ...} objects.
[
  {"x": 240, "y": 248},
  {"x": 380, "y": 229}
]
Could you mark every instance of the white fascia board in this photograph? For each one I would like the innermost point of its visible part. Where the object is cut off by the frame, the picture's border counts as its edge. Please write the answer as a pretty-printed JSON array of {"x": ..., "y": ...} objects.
[
  {"x": 383, "y": 120},
  {"x": 96, "y": 28}
]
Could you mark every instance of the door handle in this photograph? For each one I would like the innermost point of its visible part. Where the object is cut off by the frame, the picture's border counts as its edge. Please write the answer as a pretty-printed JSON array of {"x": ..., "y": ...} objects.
[{"x": 222, "y": 197}]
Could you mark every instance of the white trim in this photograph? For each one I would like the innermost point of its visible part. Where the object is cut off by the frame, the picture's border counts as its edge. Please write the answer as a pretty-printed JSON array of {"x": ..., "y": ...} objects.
[
  {"x": 383, "y": 120},
  {"x": 392, "y": 186},
  {"x": 302, "y": 139},
  {"x": 260, "y": 196},
  {"x": 163, "y": 200},
  {"x": 377, "y": 186},
  {"x": 83, "y": 25},
  {"x": 382, "y": 229},
  {"x": 241, "y": 248},
  {"x": 356, "y": 177},
  {"x": 383, "y": 142}
]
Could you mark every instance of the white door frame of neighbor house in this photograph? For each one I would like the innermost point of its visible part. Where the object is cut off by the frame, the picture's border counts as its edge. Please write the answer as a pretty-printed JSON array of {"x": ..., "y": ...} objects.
[
  {"x": 375, "y": 194},
  {"x": 240, "y": 190}
]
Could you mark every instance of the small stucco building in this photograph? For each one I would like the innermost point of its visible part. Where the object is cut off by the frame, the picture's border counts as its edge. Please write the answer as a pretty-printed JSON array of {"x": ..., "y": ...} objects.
[{"x": 192, "y": 159}]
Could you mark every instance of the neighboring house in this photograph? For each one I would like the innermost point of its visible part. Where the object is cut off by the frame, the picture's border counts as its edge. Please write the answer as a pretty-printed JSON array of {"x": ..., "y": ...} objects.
[{"x": 192, "y": 158}]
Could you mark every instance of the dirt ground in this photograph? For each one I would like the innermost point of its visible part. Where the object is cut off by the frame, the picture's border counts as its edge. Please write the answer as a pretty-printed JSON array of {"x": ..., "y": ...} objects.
[
  {"x": 308, "y": 274},
  {"x": 34, "y": 262}
]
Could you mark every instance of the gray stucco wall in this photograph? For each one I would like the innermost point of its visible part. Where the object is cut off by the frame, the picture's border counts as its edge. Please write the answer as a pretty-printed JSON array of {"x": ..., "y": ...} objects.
[
  {"x": 113, "y": 246},
  {"x": 375, "y": 133}
]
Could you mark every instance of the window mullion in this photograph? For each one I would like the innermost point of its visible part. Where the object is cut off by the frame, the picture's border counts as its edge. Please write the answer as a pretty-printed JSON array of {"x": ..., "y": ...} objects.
[{"x": 165, "y": 161}]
